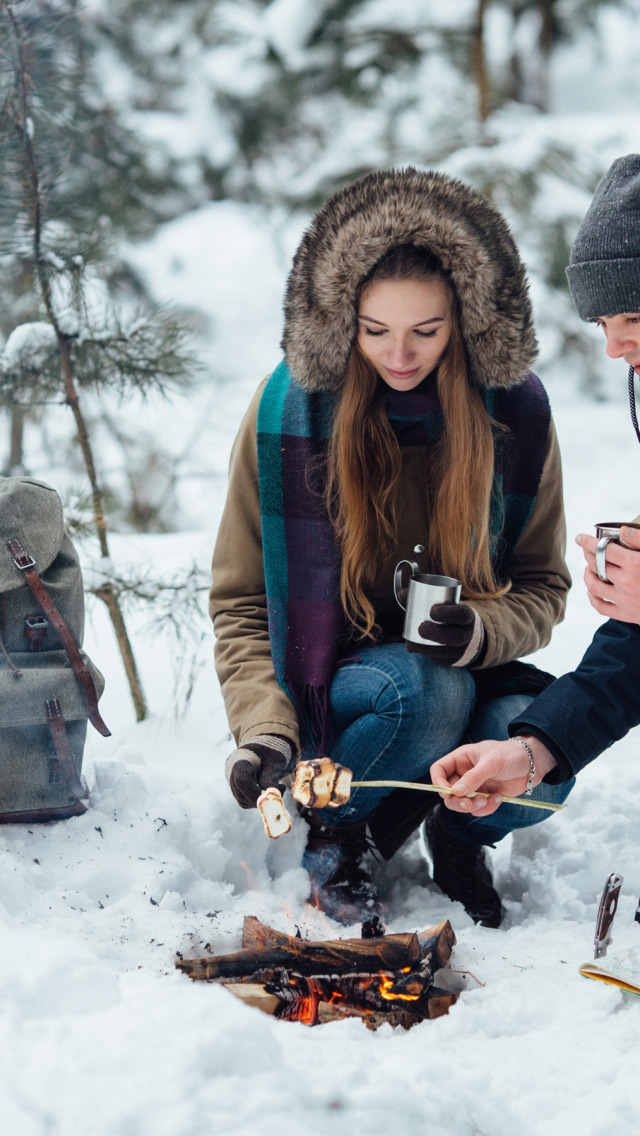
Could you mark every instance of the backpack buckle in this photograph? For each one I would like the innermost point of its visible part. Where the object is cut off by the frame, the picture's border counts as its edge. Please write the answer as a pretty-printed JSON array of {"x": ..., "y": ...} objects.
[
  {"x": 21, "y": 559},
  {"x": 36, "y": 628}
]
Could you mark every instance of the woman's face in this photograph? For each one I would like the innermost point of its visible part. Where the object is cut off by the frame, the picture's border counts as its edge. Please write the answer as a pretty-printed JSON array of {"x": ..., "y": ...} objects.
[{"x": 403, "y": 329}]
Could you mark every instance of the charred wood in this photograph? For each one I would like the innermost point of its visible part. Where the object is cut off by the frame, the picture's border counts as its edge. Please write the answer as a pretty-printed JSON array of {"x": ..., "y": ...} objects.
[
  {"x": 271, "y": 949},
  {"x": 314, "y": 1001},
  {"x": 387, "y": 979}
]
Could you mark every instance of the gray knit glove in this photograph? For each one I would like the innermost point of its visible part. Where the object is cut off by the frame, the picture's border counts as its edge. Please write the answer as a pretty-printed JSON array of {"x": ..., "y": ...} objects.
[{"x": 257, "y": 765}]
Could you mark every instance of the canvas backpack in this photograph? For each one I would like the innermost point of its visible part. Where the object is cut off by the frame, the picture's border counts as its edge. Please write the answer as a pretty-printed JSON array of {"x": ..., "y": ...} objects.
[{"x": 48, "y": 685}]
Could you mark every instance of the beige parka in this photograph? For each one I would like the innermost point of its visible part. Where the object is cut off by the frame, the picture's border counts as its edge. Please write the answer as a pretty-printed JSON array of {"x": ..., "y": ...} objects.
[{"x": 347, "y": 238}]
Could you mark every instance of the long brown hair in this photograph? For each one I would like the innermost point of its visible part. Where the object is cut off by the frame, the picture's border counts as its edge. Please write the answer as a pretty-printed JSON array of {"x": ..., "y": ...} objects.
[{"x": 364, "y": 465}]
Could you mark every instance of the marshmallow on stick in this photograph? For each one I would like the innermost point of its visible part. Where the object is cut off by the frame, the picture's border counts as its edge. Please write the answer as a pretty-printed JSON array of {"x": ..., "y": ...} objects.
[
  {"x": 275, "y": 817},
  {"x": 322, "y": 783}
]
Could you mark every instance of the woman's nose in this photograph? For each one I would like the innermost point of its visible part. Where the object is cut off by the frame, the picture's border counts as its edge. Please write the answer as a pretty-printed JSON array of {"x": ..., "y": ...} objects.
[{"x": 400, "y": 353}]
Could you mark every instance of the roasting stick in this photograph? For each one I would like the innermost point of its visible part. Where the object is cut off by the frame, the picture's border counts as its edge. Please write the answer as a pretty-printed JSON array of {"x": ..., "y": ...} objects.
[{"x": 438, "y": 789}]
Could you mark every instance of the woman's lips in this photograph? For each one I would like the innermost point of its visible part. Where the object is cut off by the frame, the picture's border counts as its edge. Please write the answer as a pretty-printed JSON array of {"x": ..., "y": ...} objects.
[{"x": 402, "y": 374}]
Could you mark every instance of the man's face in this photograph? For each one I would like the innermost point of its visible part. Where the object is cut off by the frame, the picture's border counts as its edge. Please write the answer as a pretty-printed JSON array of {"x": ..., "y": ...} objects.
[{"x": 623, "y": 337}]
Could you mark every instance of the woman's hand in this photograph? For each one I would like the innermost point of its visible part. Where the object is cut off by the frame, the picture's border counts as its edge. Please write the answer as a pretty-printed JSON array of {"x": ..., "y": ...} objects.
[
  {"x": 257, "y": 765},
  {"x": 457, "y": 634},
  {"x": 499, "y": 768},
  {"x": 619, "y": 599}
]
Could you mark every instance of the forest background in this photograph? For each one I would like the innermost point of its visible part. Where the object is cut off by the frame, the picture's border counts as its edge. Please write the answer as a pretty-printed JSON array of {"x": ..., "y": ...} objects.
[
  {"x": 158, "y": 164},
  {"x": 158, "y": 129}
]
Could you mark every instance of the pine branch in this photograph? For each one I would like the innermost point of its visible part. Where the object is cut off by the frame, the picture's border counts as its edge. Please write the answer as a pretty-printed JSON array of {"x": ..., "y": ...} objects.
[{"x": 35, "y": 204}]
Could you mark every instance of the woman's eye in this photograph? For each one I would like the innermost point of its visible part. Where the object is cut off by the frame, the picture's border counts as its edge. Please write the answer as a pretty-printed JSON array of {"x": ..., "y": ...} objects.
[
  {"x": 427, "y": 334},
  {"x": 370, "y": 331}
]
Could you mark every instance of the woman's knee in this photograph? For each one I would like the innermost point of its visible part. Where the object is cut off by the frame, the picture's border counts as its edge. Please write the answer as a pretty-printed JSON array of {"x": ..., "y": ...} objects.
[
  {"x": 424, "y": 693},
  {"x": 396, "y": 685}
]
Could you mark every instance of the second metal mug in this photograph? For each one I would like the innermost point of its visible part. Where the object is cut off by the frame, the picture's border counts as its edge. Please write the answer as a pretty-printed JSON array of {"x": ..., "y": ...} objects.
[
  {"x": 423, "y": 591},
  {"x": 607, "y": 531}
]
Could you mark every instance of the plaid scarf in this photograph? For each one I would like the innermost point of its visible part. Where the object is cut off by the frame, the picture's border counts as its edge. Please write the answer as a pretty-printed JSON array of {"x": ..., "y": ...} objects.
[{"x": 301, "y": 560}]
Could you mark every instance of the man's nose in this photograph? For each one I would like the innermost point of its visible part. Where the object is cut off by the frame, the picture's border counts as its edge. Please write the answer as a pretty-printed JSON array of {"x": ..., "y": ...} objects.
[{"x": 618, "y": 345}]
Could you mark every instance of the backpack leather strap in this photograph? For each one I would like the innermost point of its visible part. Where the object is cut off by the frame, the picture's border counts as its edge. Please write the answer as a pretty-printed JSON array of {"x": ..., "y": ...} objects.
[
  {"x": 27, "y": 566},
  {"x": 60, "y": 739}
]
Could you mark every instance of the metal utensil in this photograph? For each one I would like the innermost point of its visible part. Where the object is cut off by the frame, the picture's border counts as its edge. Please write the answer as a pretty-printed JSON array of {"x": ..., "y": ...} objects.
[{"x": 606, "y": 912}]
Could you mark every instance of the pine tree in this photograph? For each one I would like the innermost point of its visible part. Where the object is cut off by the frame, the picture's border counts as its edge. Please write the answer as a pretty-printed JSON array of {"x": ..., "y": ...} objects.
[
  {"x": 71, "y": 338},
  {"x": 538, "y": 28},
  {"x": 101, "y": 176}
]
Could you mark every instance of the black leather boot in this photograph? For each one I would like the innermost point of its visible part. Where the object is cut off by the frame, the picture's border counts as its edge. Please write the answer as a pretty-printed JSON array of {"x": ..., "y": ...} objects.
[
  {"x": 335, "y": 858},
  {"x": 398, "y": 816},
  {"x": 461, "y": 871}
]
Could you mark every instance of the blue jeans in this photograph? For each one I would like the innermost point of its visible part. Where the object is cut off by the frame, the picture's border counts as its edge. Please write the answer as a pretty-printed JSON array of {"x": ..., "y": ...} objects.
[{"x": 393, "y": 713}]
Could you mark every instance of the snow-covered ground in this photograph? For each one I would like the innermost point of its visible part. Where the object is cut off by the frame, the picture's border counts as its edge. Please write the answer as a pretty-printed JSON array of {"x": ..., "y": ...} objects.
[{"x": 100, "y": 1035}]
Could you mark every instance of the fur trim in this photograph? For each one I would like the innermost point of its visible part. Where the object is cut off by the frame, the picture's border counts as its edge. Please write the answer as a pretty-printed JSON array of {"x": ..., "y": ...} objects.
[{"x": 353, "y": 231}]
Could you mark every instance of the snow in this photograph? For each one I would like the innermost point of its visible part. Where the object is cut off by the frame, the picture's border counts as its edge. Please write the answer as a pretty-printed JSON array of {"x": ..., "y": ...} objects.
[
  {"x": 98, "y": 1032},
  {"x": 33, "y": 340},
  {"x": 288, "y": 24}
]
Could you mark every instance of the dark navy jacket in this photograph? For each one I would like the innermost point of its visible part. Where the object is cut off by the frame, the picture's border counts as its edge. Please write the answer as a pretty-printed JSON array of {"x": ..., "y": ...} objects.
[{"x": 586, "y": 711}]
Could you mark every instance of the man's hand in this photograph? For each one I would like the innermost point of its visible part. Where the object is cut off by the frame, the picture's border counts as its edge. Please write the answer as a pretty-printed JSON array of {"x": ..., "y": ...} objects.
[
  {"x": 498, "y": 768},
  {"x": 621, "y": 598},
  {"x": 258, "y": 764}
]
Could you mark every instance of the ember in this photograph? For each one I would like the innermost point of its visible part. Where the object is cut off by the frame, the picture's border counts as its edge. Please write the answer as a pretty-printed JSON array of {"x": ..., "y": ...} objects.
[{"x": 389, "y": 978}]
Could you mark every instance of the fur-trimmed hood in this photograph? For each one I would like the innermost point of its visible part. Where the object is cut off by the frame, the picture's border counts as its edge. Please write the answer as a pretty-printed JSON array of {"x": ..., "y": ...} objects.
[{"x": 354, "y": 230}]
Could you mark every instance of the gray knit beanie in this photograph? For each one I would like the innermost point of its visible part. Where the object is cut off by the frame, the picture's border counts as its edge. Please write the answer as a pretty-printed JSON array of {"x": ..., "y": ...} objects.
[{"x": 604, "y": 266}]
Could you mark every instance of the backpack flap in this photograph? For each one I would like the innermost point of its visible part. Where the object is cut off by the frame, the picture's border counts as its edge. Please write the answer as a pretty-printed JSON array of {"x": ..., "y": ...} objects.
[
  {"x": 43, "y": 724},
  {"x": 23, "y": 700},
  {"x": 31, "y": 512}
]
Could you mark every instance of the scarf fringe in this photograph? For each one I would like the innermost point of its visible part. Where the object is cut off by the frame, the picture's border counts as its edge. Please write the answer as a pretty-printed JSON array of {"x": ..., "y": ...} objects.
[{"x": 312, "y": 706}]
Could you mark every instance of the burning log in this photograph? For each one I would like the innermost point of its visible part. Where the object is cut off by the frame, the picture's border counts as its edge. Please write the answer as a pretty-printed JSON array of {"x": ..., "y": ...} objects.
[
  {"x": 339, "y": 956},
  {"x": 386, "y": 979}
]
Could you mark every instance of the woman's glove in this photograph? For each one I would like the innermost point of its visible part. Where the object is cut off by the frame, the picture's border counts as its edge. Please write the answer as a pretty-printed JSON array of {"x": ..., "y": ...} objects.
[
  {"x": 257, "y": 765},
  {"x": 458, "y": 632}
]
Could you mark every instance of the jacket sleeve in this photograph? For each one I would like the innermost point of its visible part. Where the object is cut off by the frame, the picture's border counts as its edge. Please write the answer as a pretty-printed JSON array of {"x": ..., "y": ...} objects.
[
  {"x": 254, "y": 701},
  {"x": 586, "y": 711},
  {"x": 521, "y": 621}
]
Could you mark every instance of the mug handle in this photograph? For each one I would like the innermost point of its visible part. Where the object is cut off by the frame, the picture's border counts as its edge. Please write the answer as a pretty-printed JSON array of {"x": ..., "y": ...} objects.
[
  {"x": 601, "y": 558},
  {"x": 397, "y": 578}
]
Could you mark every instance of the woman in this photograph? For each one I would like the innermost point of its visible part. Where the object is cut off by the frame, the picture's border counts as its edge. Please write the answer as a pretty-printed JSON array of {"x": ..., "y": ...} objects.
[{"x": 402, "y": 424}]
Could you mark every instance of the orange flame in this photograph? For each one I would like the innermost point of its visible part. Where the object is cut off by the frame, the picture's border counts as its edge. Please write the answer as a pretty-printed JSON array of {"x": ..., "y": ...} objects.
[
  {"x": 385, "y": 991},
  {"x": 251, "y": 879}
]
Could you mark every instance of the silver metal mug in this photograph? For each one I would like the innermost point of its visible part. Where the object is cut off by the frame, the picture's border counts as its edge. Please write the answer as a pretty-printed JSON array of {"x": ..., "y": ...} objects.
[
  {"x": 423, "y": 591},
  {"x": 607, "y": 531}
]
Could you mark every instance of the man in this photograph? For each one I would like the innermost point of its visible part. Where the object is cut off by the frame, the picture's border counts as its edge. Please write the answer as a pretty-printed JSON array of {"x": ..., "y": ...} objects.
[{"x": 584, "y": 712}]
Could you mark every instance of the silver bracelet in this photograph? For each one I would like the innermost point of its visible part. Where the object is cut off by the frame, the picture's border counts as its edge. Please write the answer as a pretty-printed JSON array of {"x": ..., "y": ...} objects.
[{"x": 532, "y": 765}]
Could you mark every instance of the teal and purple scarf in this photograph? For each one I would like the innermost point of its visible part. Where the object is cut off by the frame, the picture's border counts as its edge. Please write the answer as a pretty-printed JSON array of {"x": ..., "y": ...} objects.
[{"x": 301, "y": 560}]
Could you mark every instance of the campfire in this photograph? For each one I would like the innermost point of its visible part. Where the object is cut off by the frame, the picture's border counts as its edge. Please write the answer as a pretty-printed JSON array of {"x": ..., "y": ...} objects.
[{"x": 379, "y": 978}]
